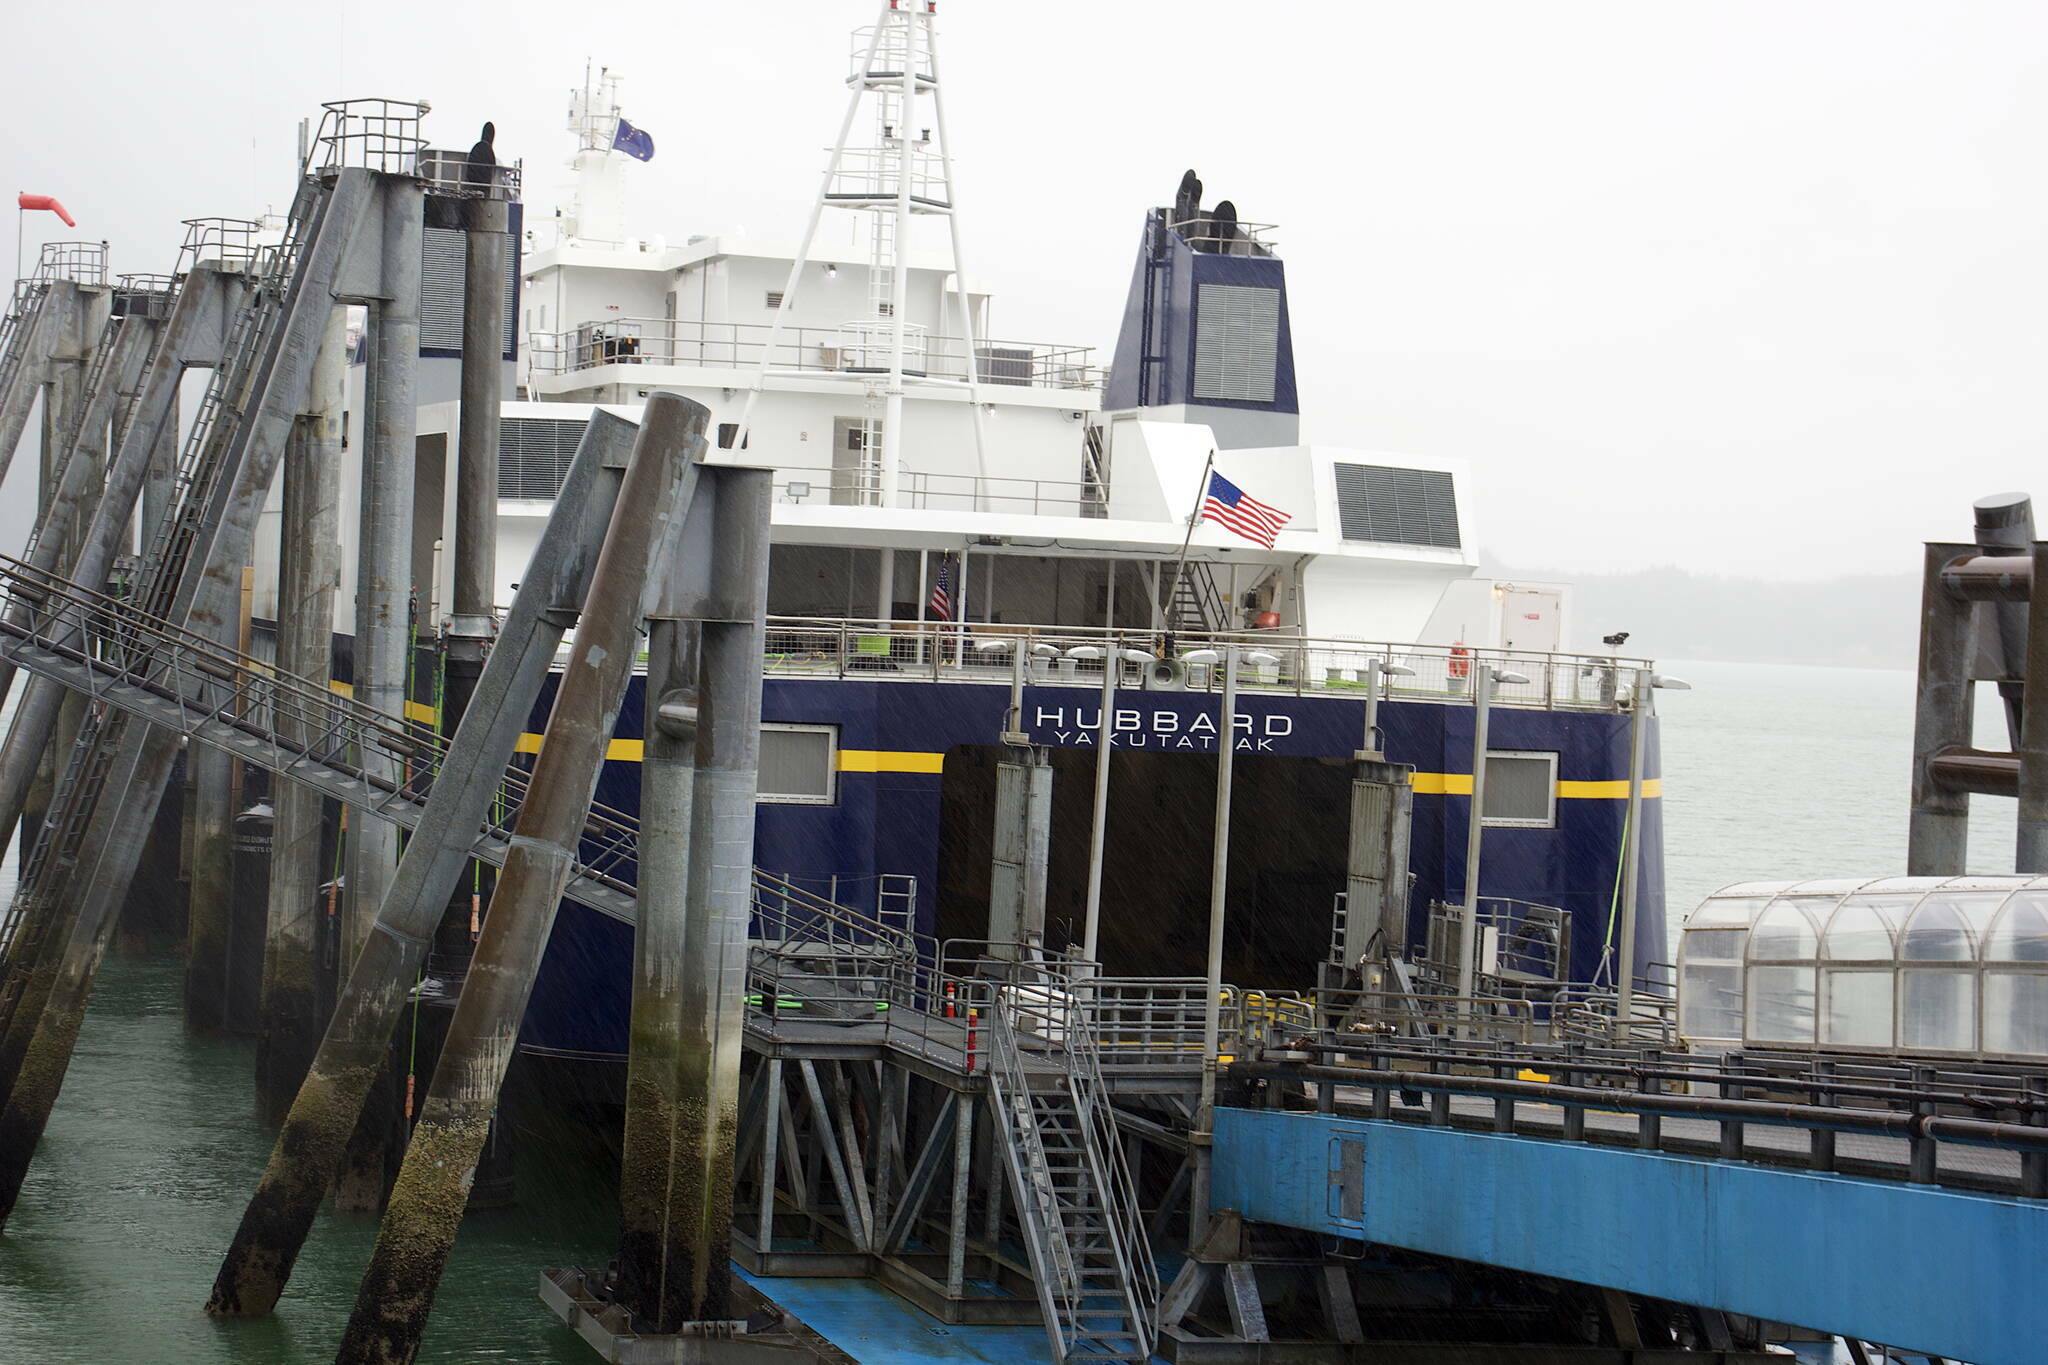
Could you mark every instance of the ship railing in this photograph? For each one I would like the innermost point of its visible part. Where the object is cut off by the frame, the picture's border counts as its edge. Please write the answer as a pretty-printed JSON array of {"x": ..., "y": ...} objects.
[
  {"x": 1205, "y": 232},
  {"x": 373, "y": 134},
  {"x": 1270, "y": 662},
  {"x": 890, "y": 51},
  {"x": 867, "y": 175},
  {"x": 928, "y": 491},
  {"x": 807, "y": 350}
]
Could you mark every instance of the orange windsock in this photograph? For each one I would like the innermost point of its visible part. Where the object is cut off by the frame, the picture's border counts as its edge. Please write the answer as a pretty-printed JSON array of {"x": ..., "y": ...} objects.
[{"x": 45, "y": 201}]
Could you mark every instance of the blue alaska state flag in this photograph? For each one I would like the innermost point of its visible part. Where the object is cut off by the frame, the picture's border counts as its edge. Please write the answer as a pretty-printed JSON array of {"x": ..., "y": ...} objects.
[{"x": 637, "y": 143}]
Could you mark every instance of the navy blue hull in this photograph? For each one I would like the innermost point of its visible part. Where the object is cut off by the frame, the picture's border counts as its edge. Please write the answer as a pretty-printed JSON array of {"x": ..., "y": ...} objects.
[{"x": 910, "y": 755}]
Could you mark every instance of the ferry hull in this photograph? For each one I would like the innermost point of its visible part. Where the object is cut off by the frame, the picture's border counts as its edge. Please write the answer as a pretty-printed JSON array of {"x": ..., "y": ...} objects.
[{"x": 912, "y": 760}]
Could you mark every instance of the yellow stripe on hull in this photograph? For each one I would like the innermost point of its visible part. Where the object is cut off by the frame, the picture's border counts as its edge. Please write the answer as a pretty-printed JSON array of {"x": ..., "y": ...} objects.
[{"x": 914, "y": 761}]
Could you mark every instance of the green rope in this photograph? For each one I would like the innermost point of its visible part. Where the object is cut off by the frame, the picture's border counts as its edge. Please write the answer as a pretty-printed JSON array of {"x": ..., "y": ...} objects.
[{"x": 1620, "y": 868}]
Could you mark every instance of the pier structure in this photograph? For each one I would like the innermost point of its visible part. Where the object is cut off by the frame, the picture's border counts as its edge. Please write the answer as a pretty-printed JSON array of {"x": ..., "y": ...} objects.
[
  {"x": 1982, "y": 618},
  {"x": 995, "y": 1131},
  {"x": 351, "y": 236}
]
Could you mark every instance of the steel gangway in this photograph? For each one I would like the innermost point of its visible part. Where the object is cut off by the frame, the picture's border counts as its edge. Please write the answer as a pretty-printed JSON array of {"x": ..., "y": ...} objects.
[
  {"x": 1097, "y": 1285},
  {"x": 179, "y": 680},
  {"x": 124, "y": 660}
]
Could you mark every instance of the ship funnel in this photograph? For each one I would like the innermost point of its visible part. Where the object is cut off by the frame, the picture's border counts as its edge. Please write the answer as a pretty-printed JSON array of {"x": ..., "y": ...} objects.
[{"x": 1205, "y": 336}]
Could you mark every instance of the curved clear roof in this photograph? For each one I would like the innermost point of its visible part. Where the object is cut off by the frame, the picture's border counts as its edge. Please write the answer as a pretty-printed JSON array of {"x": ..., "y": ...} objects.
[{"x": 1939, "y": 964}]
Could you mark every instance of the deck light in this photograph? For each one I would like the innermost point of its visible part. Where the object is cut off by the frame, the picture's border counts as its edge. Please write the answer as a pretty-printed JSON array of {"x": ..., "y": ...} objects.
[
  {"x": 1085, "y": 652},
  {"x": 1200, "y": 656}
]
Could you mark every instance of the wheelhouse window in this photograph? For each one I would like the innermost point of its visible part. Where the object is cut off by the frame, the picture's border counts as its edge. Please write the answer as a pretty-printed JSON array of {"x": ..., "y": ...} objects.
[{"x": 799, "y": 764}]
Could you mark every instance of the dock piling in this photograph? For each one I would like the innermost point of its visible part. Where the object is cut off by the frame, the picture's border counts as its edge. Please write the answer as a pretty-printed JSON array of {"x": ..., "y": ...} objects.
[
  {"x": 426, "y": 1204},
  {"x": 309, "y": 559},
  {"x": 311, "y": 1146}
]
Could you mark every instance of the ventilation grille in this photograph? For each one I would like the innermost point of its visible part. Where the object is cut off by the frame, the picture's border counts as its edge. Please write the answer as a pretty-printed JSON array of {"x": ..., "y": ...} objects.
[
  {"x": 442, "y": 251},
  {"x": 1004, "y": 364},
  {"x": 1397, "y": 506},
  {"x": 534, "y": 455},
  {"x": 774, "y": 299},
  {"x": 1237, "y": 342},
  {"x": 1521, "y": 789}
]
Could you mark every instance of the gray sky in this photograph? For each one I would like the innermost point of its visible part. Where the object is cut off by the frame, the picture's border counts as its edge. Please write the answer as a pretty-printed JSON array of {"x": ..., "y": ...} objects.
[{"x": 1742, "y": 287}]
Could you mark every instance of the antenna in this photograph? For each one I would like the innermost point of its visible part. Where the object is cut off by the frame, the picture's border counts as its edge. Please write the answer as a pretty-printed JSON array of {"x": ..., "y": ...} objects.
[{"x": 899, "y": 175}]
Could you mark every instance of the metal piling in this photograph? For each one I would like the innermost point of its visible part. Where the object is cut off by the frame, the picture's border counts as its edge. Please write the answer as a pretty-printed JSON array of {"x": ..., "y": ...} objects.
[{"x": 426, "y": 1205}]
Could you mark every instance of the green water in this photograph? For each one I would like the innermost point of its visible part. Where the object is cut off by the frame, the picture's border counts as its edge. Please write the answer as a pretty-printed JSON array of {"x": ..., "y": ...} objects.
[{"x": 140, "y": 1180}]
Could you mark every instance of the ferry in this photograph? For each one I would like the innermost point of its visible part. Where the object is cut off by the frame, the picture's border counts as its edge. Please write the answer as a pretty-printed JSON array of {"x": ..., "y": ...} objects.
[{"x": 953, "y": 511}]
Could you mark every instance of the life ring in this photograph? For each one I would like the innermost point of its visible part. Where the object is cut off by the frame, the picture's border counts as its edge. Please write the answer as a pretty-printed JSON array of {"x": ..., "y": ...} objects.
[{"x": 1461, "y": 660}]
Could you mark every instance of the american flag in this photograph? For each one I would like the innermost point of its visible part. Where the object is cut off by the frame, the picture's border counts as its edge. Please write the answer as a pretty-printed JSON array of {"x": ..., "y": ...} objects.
[
  {"x": 1230, "y": 506},
  {"x": 941, "y": 606}
]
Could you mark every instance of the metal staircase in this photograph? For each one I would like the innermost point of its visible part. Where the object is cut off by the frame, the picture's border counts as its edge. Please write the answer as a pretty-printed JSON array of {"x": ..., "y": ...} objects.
[
  {"x": 89, "y": 403},
  {"x": 90, "y": 633},
  {"x": 1196, "y": 605},
  {"x": 18, "y": 331},
  {"x": 1096, "y": 1282}
]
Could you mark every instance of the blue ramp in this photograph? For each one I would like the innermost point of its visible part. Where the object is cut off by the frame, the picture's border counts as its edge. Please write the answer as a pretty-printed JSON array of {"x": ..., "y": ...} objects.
[{"x": 1940, "y": 1271}]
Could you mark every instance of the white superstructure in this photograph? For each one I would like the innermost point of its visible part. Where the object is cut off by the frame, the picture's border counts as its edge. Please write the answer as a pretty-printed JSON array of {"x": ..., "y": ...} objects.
[{"x": 902, "y": 433}]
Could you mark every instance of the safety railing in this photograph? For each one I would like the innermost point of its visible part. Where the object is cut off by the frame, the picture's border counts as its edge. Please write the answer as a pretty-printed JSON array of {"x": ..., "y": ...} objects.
[
  {"x": 890, "y": 53},
  {"x": 1517, "y": 941},
  {"x": 806, "y": 350},
  {"x": 1347, "y": 1012},
  {"x": 1632, "y": 1098},
  {"x": 866, "y": 175},
  {"x": 227, "y": 242},
  {"x": 145, "y": 296},
  {"x": 141, "y": 664},
  {"x": 78, "y": 262},
  {"x": 1078, "y": 1203},
  {"x": 450, "y": 174},
  {"x": 977, "y": 652},
  {"x": 925, "y": 491},
  {"x": 1226, "y": 236},
  {"x": 373, "y": 134}
]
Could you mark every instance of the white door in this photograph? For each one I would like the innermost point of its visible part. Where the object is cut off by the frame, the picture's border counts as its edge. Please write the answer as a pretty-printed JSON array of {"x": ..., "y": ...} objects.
[{"x": 1530, "y": 619}]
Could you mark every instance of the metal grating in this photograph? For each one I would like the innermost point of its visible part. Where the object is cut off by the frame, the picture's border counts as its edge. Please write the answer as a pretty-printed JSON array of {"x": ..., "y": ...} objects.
[
  {"x": 534, "y": 455},
  {"x": 1521, "y": 789},
  {"x": 442, "y": 251},
  {"x": 1237, "y": 342},
  {"x": 1397, "y": 506},
  {"x": 1004, "y": 364}
]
